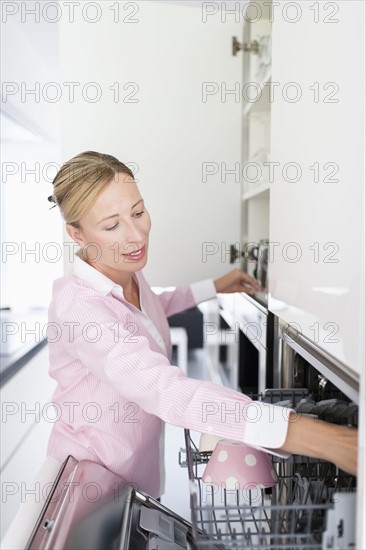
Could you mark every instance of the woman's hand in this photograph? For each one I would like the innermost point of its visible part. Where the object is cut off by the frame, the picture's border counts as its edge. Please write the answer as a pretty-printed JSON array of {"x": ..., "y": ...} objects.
[{"x": 237, "y": 281}]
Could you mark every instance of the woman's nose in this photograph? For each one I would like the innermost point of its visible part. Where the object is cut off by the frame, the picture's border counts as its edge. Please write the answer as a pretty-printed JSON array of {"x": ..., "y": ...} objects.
[{"x": 133, "y": 238}]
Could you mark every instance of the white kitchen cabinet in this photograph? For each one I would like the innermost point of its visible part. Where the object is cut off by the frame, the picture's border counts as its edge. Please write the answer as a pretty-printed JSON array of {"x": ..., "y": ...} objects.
[
  {"x": 303, "y": 177},
  {"x": 317, "y": 206}
]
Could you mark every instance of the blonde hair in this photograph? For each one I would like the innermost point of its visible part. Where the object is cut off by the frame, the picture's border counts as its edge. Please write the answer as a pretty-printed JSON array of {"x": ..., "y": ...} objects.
[{"x": 81, "y": 180}]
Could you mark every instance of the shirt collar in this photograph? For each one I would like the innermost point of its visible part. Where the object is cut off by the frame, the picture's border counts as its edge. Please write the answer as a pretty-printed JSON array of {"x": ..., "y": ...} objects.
[{"x": 100, "y": 282}]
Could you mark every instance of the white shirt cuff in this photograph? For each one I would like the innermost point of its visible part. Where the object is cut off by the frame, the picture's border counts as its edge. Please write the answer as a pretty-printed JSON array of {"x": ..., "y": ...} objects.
[
  {"x": 203, "y": 290},
  {"x": 266, "y": 427}
]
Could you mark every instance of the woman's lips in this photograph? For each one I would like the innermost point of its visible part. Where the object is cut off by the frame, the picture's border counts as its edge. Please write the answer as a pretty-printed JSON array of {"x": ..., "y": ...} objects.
[{"x": 135, "y": 256}]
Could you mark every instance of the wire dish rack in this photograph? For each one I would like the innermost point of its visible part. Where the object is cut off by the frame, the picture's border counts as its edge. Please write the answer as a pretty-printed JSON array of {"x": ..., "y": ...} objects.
[{"x": 312, "y": 506}]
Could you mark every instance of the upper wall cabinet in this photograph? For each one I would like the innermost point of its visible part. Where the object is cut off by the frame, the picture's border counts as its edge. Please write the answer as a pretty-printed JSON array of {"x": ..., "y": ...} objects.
[{"x": 317, "y": 206}]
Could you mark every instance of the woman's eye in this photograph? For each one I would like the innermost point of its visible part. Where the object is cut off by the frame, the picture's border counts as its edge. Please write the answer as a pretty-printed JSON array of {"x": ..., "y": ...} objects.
[
  {"x": 111, "y": 228},
  {"x": 139, "y": 214}
]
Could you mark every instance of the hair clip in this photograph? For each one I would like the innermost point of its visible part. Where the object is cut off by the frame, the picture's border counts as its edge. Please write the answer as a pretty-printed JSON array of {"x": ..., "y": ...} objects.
[{"x": 51, "y": 198}]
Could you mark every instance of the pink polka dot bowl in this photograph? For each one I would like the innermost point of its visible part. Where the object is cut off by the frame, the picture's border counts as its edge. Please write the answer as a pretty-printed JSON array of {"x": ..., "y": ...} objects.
[
  {"x": 208, "y": 442},
  {"x": 235, "y": 466}
]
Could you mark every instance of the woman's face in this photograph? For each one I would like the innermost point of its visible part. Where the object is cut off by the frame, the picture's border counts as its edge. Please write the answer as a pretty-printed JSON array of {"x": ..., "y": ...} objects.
[{"x": 114, "y": 233}]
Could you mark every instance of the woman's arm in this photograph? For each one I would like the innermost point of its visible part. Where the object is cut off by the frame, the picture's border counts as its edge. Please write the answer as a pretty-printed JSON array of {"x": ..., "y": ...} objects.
[
  {"x": 146, "y": 378},
  {"x": 312, "y": 437},
  {"x": 187, "y": 296}
]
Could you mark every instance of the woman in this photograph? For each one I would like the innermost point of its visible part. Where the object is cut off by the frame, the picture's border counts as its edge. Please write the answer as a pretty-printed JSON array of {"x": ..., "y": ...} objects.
[{"x": 110, "y": 348}]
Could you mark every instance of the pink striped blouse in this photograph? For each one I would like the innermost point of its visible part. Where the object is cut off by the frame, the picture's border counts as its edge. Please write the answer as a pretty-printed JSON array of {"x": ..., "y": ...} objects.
[{"x": 116, "y": 386}]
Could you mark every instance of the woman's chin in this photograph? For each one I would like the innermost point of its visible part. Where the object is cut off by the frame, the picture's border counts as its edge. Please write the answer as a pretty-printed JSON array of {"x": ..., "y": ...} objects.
[{"x": 134, "y": 265}]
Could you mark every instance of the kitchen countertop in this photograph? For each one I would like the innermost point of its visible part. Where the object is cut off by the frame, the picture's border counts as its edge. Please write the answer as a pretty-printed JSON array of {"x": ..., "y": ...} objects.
[{"x": 23, "y": 335}]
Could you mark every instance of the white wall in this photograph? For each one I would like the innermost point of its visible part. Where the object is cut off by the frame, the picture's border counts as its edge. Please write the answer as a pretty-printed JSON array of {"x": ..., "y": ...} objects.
[
  {"x": 32, "y": 233},
  {"x": 169, "y": 132},
  {"x": 29, "y": 60}
]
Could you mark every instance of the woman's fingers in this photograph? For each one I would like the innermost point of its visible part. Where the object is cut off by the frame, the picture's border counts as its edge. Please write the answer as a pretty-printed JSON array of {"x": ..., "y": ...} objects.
[{"x": 247, "y": 280}]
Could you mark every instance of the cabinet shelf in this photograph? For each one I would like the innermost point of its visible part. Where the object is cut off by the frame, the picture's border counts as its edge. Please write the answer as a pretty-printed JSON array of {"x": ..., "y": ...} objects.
[
  {"x": 263, "y": 103},
  {"x": 256, "y": 191}
]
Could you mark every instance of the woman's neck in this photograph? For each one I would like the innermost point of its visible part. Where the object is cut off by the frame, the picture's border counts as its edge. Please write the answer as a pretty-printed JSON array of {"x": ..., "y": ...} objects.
[{"x": 127, "y": 281}]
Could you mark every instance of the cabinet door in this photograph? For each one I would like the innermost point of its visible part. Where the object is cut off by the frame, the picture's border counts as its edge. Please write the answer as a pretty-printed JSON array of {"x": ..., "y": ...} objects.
[
  {"x": 317, "y": 192},
  {"x": 169, "y": 107}
]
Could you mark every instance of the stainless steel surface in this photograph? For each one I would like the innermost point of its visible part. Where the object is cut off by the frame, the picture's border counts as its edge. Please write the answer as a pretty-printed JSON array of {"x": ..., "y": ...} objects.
[
  {"x": 80, "y": 488},
  {"x": 91, "y": 508},
  {"x": 262, "y": 265},
  {"x": 333, "y": 370},
  {"x": 257, "y": 254},
  {"x": 277, "y": 354},
  {"x": 286, "y": 366},
  {"x": 40, "y": 536}
]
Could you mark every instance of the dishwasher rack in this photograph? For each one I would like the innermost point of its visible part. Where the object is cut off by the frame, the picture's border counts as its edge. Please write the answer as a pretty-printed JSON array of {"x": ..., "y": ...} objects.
[{"x": 312, "y": 507}]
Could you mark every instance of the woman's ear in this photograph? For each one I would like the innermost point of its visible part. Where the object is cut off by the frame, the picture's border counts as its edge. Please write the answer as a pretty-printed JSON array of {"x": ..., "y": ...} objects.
[{"x": 75, "y": 233}]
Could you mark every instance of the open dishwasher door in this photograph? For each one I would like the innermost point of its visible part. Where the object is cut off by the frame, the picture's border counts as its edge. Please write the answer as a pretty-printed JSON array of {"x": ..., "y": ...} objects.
[
  {"x": 90, "y": 508},
  {"x": 135, "y": 522}
]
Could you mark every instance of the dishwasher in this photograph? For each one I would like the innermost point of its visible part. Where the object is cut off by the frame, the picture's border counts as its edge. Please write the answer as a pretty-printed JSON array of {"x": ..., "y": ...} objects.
[
  {"x": 312, "y": 507},
  {"x": 314, "y": 504}
]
